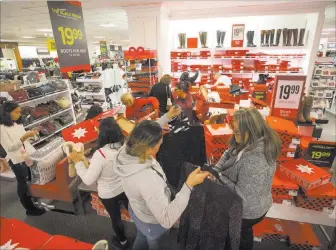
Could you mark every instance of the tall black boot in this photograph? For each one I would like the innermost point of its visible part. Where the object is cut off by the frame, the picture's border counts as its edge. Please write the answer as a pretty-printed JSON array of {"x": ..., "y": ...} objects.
[
  {"x": 268, "y": 33},
  {"x": 295, "y": 36},
  {"x": 222, "y": 37},
  {"x": 180, "y": 40},
  {"x": 252, "y": 37},
  {"x": 302, "y": 33},
  {"x": 262, "y": 79},
  {"x": 289, "y": 38},
  {"x": 284, "y": 37},
  {"x": 278, "y": 34},
  {"x": 262, "y": 38},
  {"x": 272, "y": 31},
  {"x": 218, "y": 39}
]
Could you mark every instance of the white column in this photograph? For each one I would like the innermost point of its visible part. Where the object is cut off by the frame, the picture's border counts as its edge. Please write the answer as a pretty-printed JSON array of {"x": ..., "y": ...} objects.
[{"x": 148, "y": 27}]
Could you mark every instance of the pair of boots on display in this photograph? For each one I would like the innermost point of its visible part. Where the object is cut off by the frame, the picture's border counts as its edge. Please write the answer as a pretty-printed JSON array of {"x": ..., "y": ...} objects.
[
  {"x": 182, "y": 40},
  {"x": 250, "y": 36},
  {"x": 303, "y": 115},
  {"x": 220, "y": 38},
  {"x": 262, "y": 79},
  {"x": 270, "y": 34},
  {"x": 203, "y": 38},
  {"x": 289, "y": 33}
]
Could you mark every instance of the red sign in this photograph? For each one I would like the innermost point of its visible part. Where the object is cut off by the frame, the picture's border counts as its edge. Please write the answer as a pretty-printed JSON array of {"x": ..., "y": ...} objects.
[
  {"x": 83, "y": 132},
  {"x": 287, "y": 96},
  {"x": 237, "y": 39}
]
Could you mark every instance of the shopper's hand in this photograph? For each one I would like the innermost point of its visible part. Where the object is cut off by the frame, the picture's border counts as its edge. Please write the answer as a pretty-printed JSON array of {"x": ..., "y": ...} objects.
[
  {"x": 196, "y": 177},
  {"x": 174, "y": 111},
  {"x": 31, "y": 133},
  {"x": 76, "y": 156}
]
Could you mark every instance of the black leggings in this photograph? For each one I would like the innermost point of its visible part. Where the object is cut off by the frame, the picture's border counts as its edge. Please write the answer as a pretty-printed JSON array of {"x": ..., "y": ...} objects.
[
  {"x": 22, "y": 174},
  {"x": 246, "y": 235},
  {"x": 112, "y": 206}
]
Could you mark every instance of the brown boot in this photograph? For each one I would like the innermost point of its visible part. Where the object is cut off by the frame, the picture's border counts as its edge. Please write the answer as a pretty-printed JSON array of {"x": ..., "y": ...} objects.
[
  {"x": 300, "y": 118},
  {"x": 307, "y": 107}
]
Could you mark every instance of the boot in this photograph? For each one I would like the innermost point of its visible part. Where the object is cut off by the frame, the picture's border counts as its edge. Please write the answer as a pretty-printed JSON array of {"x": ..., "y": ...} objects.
[
  {"x": 295, "y": 37},
  {"x": 219, "y": 33},
  {"x": 222, "y": 37},
  {"x": 268, "y": 33},
  {"x": 302, "y": 33},
  {"x": 184, "y": 35},
  {"x": 284, "y": 37},
  {"x": 289, "y": 37},
  {"x": 205, "y": 36},
  {"x": 202, "y": 39},
  {"x": 307, "y": 107},
  {"x": 272, "y": 37},
  {"x": 262, "y": 38},
  {"x": 278, "y": 34},
  {"x": 262, "y": 79},
  {"x": 299, "y": 117},
  {"x": 252, "y": 37},
  {"x": 180, "y": 40}
]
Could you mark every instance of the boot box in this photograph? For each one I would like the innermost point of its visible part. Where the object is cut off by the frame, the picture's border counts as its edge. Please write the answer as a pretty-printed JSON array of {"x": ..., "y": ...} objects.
[
  {"x": 331, "y": 83},
  {"x": 237, "y": 67},
  {"x": 218, "y": 134},
  {"x": 283, "y": 186},
  {"x": 305, "y": 174},
  {"x": 237, "y": 62},
  {"x": 301, "y": 236},
  {"x": 328, "y": 93},
  {"x": 235, "y": 53},
  {"x": 270, "y": 230},
  {"x": 321, "y": 205},
  {"x": 288, "y": 152},
  {"x": 319, "y": 93},
  {"x": 282, "y": 199}
]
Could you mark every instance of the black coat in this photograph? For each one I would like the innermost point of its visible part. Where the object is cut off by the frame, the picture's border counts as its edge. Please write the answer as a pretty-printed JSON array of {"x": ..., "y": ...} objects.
[
  {"x": 212, "y": 220},
  {"x": 162, "y": 92}
]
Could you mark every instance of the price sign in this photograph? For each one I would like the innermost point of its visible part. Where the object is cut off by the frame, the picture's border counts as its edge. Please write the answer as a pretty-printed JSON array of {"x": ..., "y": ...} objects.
[
  {"x": 69, "y": 33},
  {"x": 259, "y": 95},
  {"x": 51, "y": 45},
  {"x": 237, "y": 35},
  {"x": 287, "y": 96},
  {"x": 321, "y": 154},
  {"x": 103, "y": 48}
]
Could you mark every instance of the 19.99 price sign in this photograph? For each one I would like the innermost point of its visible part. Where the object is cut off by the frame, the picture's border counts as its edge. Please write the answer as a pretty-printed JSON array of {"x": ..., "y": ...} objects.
[
  {"x": 68, "y": 27},
  {"x": 287, "y": 96},
  {"x": 321, "y": 154}
]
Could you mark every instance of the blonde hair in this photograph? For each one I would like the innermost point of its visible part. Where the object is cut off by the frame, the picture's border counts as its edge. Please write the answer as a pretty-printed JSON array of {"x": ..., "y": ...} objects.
[
  {"x": 251, "y": 122},
  {"x": 125, "y": 97},
  {"x": 166, "y": 79}
]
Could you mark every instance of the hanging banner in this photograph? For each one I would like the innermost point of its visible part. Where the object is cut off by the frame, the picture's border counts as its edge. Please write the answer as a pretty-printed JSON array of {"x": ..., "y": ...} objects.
[
  {"x": 103, "y": 48},
  {"x": 237, "y": 39},
  {"x": 287, "y": 96},
  {"x": 51, "y": 45},
  {"x": 69, "y": 33},
  {"x": 321, "y": 154}
]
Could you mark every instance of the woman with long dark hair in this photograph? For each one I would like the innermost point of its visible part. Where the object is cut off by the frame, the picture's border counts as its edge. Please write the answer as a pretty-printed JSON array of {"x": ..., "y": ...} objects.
[
  {"x": 14, "y": 139},
  {"x": 93, "y": 111},
  {"x": 110, "y": 190},
  {"x": 248, "y": 167}
]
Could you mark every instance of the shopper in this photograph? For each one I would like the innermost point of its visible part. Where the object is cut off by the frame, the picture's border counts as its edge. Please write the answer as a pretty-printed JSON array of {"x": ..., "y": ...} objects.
[
  {"x": 248, "y": 167},
  {"x": 162, "y": 92},
  {"x": 14, "y": 140},
  {"x": 153, "y": 206},
  {"x": 110, "y": 190},
  {"x": 222, "y": 80},
  {"x": 93, "y": 111}
]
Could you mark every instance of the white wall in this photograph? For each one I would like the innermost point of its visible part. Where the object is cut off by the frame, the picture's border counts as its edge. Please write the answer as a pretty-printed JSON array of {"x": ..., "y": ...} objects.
[{"x": 30, "y": 51}]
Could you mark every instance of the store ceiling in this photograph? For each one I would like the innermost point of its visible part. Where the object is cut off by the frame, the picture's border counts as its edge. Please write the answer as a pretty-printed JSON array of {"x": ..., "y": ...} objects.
[{"x": 22, "y": 19}]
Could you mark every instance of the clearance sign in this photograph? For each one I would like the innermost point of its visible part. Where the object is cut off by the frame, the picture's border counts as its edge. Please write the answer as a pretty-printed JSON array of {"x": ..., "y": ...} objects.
[{"x": 69, "y": 33}]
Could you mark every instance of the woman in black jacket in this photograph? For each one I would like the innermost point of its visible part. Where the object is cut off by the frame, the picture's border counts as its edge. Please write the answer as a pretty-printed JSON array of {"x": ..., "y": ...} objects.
[{"x": 162, "y": 92}]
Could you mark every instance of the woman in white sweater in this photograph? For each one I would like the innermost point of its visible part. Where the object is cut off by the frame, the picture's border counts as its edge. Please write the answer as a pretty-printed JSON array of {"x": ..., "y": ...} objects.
[
  {"x": 14, "y": 139},
  {"x": 110, "y": 191}
]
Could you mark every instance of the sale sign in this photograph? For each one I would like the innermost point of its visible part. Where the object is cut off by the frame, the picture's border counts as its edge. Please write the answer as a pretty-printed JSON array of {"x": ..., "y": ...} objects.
[
  {"x": 287, "y": 96},
  {"x": 321, "y": 154},
  {"x": 103, "y": 48},
  {"x": 237, "y": 35},
  {"x": 68, "y": 27}
]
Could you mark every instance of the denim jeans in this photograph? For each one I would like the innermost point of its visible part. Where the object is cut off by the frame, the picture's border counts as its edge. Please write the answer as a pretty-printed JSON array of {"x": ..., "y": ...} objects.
[{"x": 148, "y": 235}]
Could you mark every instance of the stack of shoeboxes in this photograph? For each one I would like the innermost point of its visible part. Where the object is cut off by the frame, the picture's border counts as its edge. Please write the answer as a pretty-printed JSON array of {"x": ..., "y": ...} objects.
[
  {"x": 217, "y": 137},
  {"x": 283, "y": 189},
  {"x": 294, "y": 234},
  {"x": 100, "y": 209}
]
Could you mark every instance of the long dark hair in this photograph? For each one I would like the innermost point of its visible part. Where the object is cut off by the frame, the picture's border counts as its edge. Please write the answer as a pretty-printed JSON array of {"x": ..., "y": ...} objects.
[
  {"x": 5, "y": 117},
  {"x": 109, "y": 133},
  {"x": 252, "y": 123},
  {"x": 145, "y": 135},
  {"x": 93, "y": 111}
]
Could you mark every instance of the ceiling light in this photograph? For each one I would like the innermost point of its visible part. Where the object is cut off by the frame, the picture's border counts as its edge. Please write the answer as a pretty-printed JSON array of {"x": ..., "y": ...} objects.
[
  {"x": 95, "y": 42},
  {"x": 28, "y": 37},
  {"x": 44, "y": 30},
  {"x": 107, "y": 25},
  {"x": 8, "y": 40},
  {"x": 98, "y": 37}
]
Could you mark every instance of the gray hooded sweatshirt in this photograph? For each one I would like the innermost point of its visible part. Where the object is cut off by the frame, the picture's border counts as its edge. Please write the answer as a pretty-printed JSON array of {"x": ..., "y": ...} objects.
[{"x": 147, "y": 191}]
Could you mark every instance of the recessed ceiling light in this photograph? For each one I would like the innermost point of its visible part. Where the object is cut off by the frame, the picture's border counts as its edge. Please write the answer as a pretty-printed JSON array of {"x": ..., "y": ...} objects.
[
  {"x": 107, "y": 25},
  {"x": 44, "y": 30},
  {"x": 28, "y": 37}
]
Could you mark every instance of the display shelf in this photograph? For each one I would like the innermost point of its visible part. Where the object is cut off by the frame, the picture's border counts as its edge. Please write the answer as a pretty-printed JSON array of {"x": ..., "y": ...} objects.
[
  {"x": 42, "y": 97},
  {"x": 293, "y": 213},
  {"x": 89, "y": 80},
  {"x": 51, "y": 135},
  {"x": 47, "y": 118},
  {"x": 101, "y": 93},
  {"x": 242, "y": 48}
]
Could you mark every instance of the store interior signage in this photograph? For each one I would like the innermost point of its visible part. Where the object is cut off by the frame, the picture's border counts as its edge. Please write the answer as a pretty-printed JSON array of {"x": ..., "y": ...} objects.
[
  {"x": 69, "y": 33},
  {"x": 41, "y": 51},
  {"x": 103, "y": 48},
  {"x": 237, "y": 35},
  {"x": 321, "y": 154}
]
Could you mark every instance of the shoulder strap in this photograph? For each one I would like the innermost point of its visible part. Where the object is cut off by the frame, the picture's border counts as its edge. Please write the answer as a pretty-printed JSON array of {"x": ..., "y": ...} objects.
[{"x": 101, "y": 152}]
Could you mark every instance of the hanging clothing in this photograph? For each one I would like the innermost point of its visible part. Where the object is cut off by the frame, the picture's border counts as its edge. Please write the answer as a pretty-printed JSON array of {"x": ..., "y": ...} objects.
[{"x": 213, "y": 217}]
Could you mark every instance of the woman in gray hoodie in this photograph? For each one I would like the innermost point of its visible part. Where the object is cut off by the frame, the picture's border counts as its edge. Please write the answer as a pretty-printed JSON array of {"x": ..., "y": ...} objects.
[
  {"x": 248, "y": 167},
  {"x": 152, "y": 204}
]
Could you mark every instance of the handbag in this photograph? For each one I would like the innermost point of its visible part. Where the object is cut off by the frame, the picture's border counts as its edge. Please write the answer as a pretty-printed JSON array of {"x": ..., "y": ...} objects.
[
  {"x": 65, "y": 119},
  {"x": 19, "y": 95},
  {"x": 47, "y": 128},
  {"x": 63, "y": 102},
  {"x": 34, "y": 93},
  {"x": 169, "y": 102},
  {"x": 26, "y": 115},
  {"x": 59, "y": 85},
  {"x": 39, "y": 112},
  {"x": 48, "y": 88}
]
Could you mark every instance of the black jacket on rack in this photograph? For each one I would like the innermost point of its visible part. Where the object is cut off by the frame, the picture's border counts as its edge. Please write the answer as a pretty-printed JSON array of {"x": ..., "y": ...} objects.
[
  {"x": 212, "y": 220},
  {"x": 162, "y": 92}
]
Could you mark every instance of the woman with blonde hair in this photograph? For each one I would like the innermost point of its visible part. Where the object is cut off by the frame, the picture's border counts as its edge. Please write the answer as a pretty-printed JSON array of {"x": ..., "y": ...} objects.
[
  {"x": 153, "y": 205},
  {"x": 248, "y": 167},
  {"x": 162, "y": 92}
]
